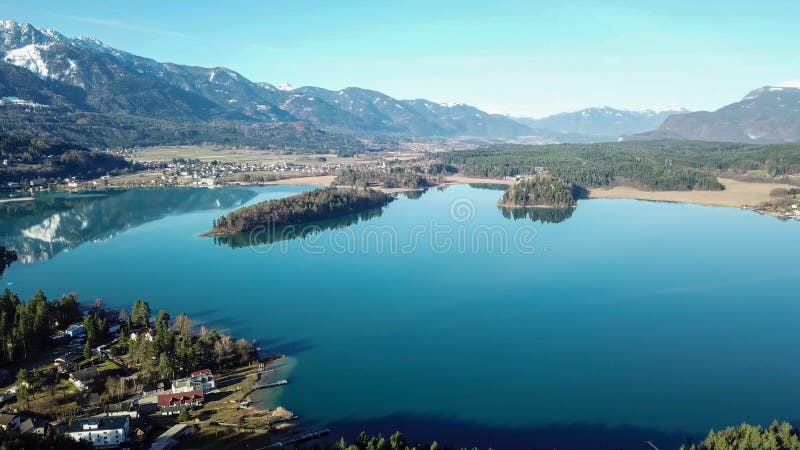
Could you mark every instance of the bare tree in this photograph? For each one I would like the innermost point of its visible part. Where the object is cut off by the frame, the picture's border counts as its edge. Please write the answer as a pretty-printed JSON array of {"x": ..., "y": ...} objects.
[
  {"x": 223, "y": 348},
  {"x": 123, "y": 315},
  {"x": 183, "y": 325}
]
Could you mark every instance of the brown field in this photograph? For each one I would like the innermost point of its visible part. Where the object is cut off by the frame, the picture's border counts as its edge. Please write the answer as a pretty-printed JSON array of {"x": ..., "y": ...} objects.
[{"x": 736, "y": 194}]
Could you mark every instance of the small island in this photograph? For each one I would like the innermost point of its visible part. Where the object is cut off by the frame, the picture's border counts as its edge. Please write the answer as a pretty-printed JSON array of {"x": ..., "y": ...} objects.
[
  {"x": 320, "y": 204},
  {"x": 540, "y": 191}
]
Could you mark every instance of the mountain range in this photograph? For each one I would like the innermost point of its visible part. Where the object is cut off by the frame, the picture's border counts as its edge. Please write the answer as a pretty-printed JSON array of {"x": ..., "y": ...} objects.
[
  {"x": 45, "y": 69},
  {"x": 766, "y": 115},
  {"x": 84, "y": 91},
  {"x": 599, "y": 124}
]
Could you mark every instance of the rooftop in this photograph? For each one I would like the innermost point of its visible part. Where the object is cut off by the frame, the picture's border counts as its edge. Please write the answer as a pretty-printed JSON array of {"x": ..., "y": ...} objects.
[
  {"x": 6, "y": 418},
  {"x": 85, "y": 374},
  {"x": 182, "y": 397},
  {"x": 94, "y": 423}
]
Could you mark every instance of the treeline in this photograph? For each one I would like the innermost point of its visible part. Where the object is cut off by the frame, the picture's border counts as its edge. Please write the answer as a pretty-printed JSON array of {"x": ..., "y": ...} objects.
[
  {"x": 176, "y": 348},
  {"x": 272, "y": 235},
  {"x": 27, "y": 158},
  {"x": 751, "y": 437},
  {"x": 658, "y": 165},
  {"x": 541, "y": 190},
  {"x": 319, "y": 204},
  {"x": 392, "y": 178},
  {"x": 103, "y": 131},
  {"x": 26, "y": 327},
  {"x": 396, "y": 441},
  {"x": 745, "y": 437}
]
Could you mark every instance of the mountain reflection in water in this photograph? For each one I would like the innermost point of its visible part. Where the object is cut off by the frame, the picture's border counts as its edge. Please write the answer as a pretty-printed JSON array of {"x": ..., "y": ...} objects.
[{"x": 55, "y": 222}]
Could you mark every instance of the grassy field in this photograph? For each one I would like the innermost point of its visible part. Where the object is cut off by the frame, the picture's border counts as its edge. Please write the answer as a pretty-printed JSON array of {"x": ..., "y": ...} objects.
[{"x": 204, "y": 153}]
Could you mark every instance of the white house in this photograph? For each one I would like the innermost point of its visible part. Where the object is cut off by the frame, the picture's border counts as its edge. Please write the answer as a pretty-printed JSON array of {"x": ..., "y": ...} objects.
[
  {"x": 75, "y": 330},
  {"x": 201, "y": 379},
  {"x": 101, "y": 432}
]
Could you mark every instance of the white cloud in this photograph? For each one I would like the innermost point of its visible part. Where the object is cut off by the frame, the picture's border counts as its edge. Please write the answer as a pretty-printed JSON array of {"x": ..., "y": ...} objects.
[{"x": 790, "y": 83}]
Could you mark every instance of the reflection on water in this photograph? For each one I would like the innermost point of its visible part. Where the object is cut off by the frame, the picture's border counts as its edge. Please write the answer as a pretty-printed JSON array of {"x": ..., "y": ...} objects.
[
  {"x": 40, "y": 229},
  {"x": 542, "y": 215},
  {"x": 489, "y": 186},
  {"x": 268, "y": 235},
  {"x": 414, "y": 195}
]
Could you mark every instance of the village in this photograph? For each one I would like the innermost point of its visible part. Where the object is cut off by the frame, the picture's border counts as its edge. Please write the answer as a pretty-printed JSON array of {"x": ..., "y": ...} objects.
[{"x": 97, "y": 395}]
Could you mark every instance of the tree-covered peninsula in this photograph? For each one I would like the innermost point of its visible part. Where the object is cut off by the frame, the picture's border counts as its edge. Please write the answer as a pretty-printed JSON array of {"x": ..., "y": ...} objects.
[
  {"x": 540, "y": 191},
  {"x": 312, "y": 206}
]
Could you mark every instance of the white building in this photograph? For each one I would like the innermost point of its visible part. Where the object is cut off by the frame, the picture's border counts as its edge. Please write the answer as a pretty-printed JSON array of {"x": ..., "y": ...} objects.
[
  {"x": 200, "y": 380},
  {"x": 101, "y": 432}
]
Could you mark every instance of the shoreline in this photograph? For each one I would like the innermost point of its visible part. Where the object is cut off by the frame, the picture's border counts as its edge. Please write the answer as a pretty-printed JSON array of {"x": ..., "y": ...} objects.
[
  {"x": 17, "y": 199},
  {"x": 737, "y": 194}
]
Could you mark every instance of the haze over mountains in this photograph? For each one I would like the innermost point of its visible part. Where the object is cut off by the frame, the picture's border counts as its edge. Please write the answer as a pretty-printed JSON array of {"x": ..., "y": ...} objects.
[
  {"x": 84, "y": 91},
  {"x": 766, "y": 115},
  {"x": 600, "y": 124}
]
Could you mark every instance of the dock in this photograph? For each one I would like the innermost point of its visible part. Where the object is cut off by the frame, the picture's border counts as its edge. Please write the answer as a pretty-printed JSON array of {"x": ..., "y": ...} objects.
[
  {"x": 301, "y": 437},
  {"x": 261, "y": 384}
]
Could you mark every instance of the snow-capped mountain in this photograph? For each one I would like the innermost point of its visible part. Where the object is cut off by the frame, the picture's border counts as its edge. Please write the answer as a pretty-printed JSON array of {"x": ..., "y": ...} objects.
[
  {"x": 602, "y": 123},
  {"x": 85, "y": 74},
  {"x": 770, "y": 114}
]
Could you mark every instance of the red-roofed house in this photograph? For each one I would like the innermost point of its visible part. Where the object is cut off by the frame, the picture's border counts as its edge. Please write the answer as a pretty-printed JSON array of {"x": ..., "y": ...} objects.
[
  {"x": 197, "y": 373},
  {"x": 173, "y": 403}
]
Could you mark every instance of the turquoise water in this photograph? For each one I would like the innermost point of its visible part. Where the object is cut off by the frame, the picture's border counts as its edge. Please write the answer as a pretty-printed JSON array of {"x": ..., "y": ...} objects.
[{"x": 624, "y": 322}]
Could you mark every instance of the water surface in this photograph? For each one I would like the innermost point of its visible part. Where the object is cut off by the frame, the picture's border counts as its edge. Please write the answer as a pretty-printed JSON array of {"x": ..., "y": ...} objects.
[{"x": 625, "y": 320}]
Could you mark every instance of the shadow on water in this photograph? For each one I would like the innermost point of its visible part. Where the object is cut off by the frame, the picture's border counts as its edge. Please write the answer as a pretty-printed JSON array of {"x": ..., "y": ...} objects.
[
  {"x": 292, "y": 347},
  {"x": 541, "y": 215},
  {"x": 267, "y": 235},
  {"x": 461, "y": 434},
  {"x": 205, "y": 313}
]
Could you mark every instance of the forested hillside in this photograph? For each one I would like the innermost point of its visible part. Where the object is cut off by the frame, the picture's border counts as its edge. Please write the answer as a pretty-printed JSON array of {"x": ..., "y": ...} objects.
[
  {"x": 25, "y": 158},
  {"x": 657, "y": 165}
]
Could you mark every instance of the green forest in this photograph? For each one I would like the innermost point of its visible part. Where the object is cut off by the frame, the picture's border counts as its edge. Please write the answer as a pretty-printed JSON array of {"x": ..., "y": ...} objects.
[
  {"x": 176, "y": 349},
  {"x": 26, "y": 327},
  {"x": 102, "y": 131},
  {"x": 316, "y": 205},
  {"x": 656, "y": 165},
  {"x": 394, "y": 178},
  {"x": 540, "y": 190},
  {"x": 26, "y": 158}
]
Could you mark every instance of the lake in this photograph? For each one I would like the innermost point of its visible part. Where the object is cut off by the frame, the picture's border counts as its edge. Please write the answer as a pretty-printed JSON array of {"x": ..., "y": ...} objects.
[{"x": 440, "y": 315}]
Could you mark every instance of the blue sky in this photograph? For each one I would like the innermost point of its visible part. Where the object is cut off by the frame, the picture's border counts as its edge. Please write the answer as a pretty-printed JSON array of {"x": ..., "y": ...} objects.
[{"x": 529, "y": 58}]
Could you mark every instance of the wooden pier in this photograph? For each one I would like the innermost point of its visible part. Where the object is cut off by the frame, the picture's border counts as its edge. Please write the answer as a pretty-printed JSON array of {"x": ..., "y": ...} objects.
[{"x": 262, "y": 384}]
